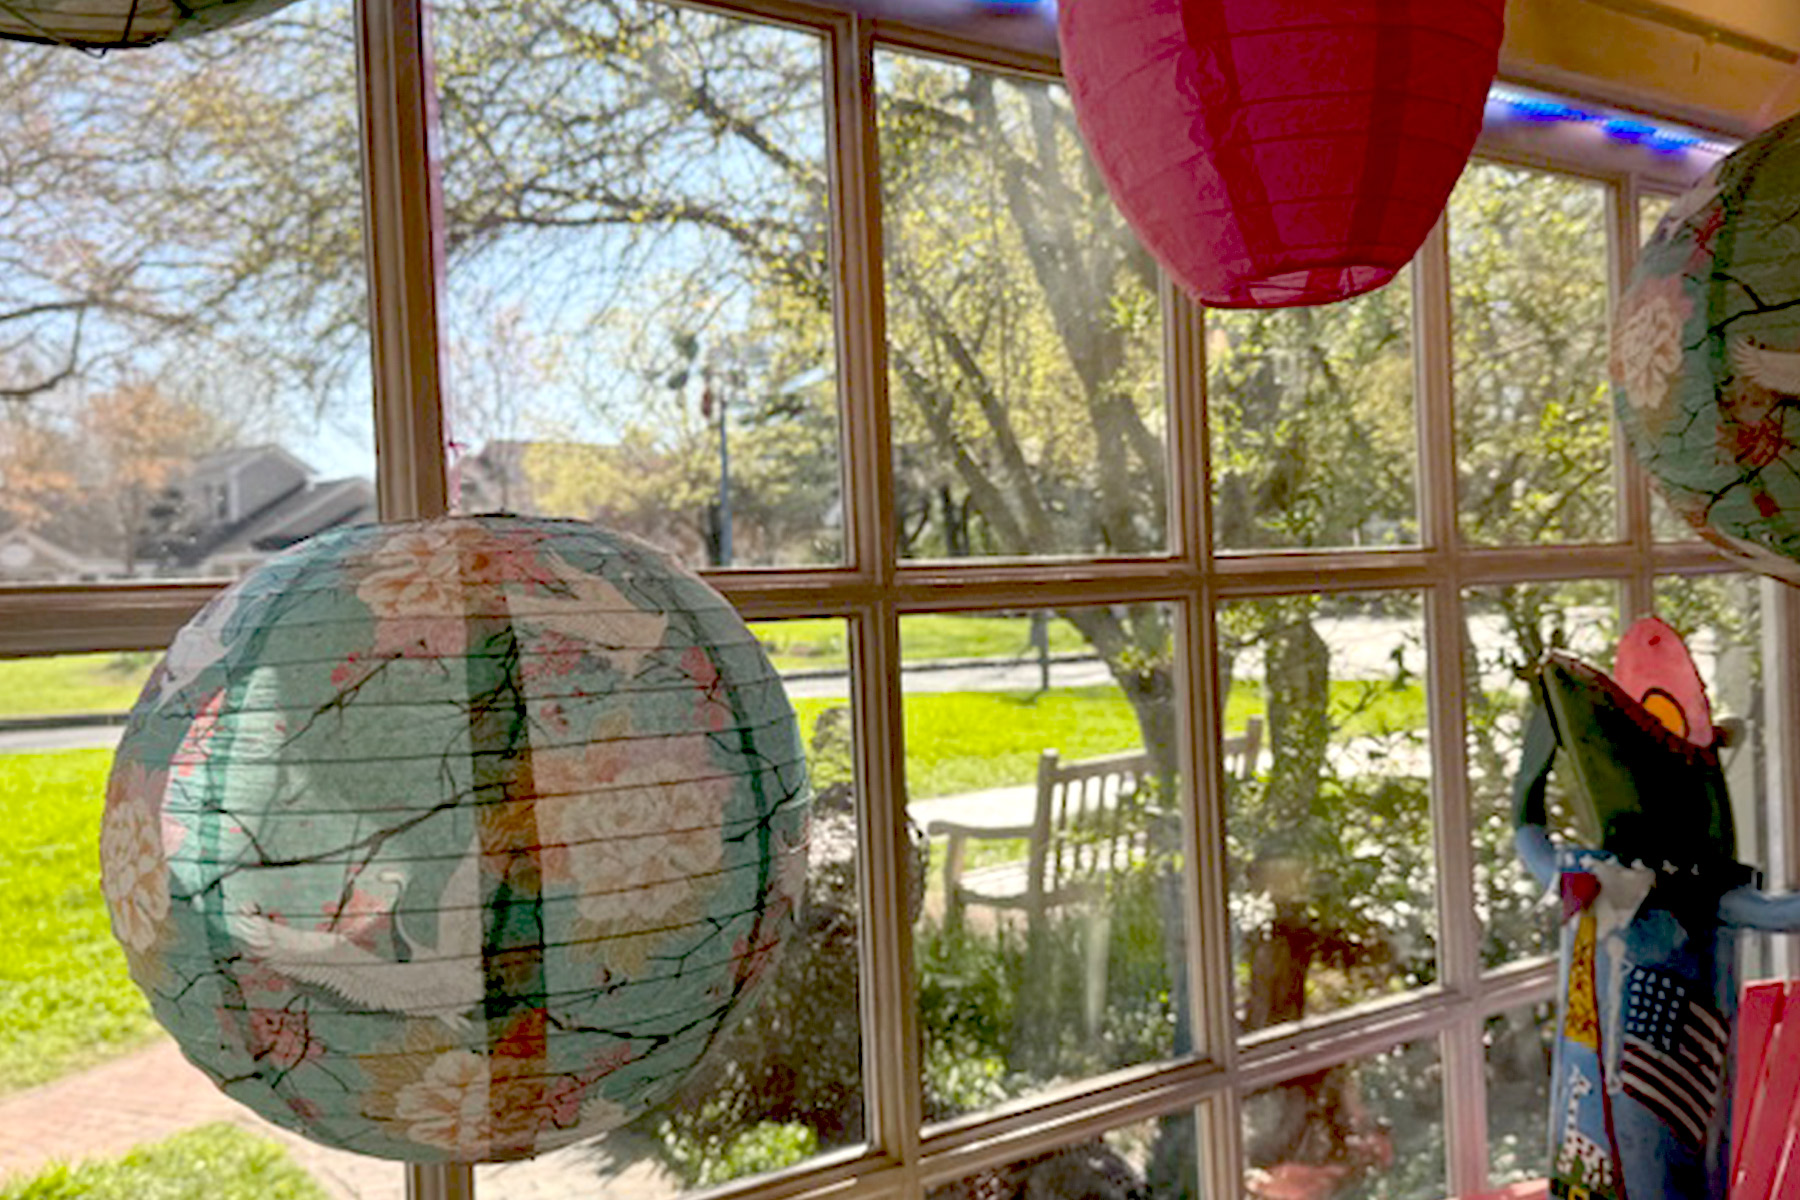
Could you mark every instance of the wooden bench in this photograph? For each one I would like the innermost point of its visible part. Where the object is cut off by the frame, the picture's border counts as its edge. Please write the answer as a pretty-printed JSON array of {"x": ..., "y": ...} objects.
[{"x": 1088, "y": 825}]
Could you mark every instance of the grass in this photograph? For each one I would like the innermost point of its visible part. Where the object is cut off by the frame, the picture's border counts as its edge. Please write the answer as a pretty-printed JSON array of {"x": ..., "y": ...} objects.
[
  {"x": 819, "y": 643},
  {"x": 212, "y": 1162},
  {"x": 65, "y": 999},
  {"x": 72, "y": 683},
  {"x": 970, "y": 741}
]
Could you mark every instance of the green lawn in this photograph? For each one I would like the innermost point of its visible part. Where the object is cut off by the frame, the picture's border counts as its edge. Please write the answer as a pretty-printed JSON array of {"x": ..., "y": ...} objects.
[
  {"x": 72, "y": 683},
  {"x": 818, "y": 643},
  {"x": 213, "y": 1162},
  {"x": 968, "y": 741},
  {"x": 65, "y": 1000}
]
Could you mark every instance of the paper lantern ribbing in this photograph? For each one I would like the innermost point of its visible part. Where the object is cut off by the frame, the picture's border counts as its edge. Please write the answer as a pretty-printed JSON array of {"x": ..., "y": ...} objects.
[
  {"x": 456, "y": 840},
  {"x": 1706, "y": 355},
  {"x": 122, "y": 24},
  {"x": 1280, "y": 152}
]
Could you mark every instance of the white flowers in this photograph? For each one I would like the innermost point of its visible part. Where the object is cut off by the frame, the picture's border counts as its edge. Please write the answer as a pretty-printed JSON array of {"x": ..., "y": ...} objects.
[
  {"x": 1646, "y": 348},
  {"x": 448, "y": 1106},
  {"x": 635, "y": 824},
  {"x": 133, "y": 872}
]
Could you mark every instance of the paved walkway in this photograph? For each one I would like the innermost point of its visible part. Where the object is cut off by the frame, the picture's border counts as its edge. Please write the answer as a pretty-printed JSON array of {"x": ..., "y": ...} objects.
[{"x": 155, "y": 1093}]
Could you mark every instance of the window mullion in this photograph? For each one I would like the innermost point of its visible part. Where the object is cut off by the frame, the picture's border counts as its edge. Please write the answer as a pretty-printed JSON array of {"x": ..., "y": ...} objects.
[
  {"x": 401, "y": 240},
  {"x": 1634, "y": 484},
  {"x": 891, "y": 1044}
]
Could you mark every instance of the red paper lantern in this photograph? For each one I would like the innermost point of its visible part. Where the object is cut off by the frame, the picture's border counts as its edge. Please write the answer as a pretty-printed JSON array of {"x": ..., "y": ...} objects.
[{"x": 1280, "y": 152}]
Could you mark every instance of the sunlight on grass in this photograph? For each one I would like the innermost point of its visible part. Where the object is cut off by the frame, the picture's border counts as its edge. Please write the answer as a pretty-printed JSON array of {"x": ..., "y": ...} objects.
[
  {"x": 970, "y": 741},
  {"x": 65, "y": 1000},
  {"x": 213, "y": 1162},
  {"x": 72, "y": 683}
]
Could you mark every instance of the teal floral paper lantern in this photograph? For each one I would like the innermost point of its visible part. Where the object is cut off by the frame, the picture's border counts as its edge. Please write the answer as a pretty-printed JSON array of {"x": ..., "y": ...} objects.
[
  {"x": 457, "y": 840},
  {"x": 1706, "y": 355}
]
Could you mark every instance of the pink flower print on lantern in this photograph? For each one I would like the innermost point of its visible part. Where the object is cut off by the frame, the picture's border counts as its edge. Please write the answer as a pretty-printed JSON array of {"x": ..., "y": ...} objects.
[
  {"x": 710, "y": 709},
  {"x": 551, "y": 655},
  {"x": 754, "y": 960},
  {"x": 193, "y": 751},
  {"x": 283, "y": 1036},
  {"x": 1646, "y": 346}
]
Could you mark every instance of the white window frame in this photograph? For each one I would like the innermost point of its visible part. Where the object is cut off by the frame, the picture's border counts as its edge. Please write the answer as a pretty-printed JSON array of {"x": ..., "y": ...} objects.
[{"x": 875, "y": 588}]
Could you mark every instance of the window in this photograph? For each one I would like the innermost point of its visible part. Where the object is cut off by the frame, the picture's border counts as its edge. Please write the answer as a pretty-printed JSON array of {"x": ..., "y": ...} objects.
[{"x": 840, "y": 312}]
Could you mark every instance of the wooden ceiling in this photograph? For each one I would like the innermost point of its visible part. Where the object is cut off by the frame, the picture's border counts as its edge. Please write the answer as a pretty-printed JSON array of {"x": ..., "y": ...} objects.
[
  {"x": 1729, "y": 65},
  {"x": 1732, "y": 66}
]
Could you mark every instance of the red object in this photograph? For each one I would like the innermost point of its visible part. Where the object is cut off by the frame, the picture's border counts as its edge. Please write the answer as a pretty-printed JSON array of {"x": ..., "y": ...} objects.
[
  {"x": 1536, "y": 1189},
  {"x": 1280, "y": 152},
  {"x": 1765, "y": 1126},
  {"x": 1654, "y": 668}
]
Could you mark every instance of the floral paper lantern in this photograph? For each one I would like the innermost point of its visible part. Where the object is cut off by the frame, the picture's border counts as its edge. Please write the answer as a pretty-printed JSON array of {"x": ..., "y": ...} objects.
[
  {"x": 1280, "y": 152},
  {"x": 457, "y": 840},
  {"x": 1706, "y": 355},
  {"x": 122, "y": 24}
]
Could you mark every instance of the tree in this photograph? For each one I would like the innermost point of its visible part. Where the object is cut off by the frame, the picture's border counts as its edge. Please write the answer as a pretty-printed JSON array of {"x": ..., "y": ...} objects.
[{"x": 655, "y": 178}]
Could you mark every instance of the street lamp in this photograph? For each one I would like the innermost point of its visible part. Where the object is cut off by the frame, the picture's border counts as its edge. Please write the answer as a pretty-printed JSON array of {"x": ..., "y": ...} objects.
[{"x": 713, "y": 397}]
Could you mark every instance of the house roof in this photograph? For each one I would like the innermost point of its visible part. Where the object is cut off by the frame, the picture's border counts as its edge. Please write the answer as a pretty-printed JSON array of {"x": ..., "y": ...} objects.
[
  {"x": 230, "y": 462},
  {"x": 298, "y": 516}
]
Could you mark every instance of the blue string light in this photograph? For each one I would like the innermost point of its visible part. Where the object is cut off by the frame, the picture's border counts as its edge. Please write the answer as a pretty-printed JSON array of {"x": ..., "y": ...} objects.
[{"x": 1664, "y": 139}]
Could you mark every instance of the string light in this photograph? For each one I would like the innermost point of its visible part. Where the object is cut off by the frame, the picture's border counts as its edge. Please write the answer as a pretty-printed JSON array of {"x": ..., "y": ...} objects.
[{"x": 1521, "y": 105}]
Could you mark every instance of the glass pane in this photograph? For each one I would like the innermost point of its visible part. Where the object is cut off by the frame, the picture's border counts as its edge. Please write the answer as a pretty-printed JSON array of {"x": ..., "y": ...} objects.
[
  {"x": 1151, "y": 1160},
  {"x": 786, "y": 1083},
  {"x": 1528, "y": 261},
  {"x": 67, "y": 1005},
  {"x": 1664, "y": 524},
  {"x": 1518, "y": 1046},
  {"x": 1506, "y": 631},
  {"x": 65, "y": 1000},
  {"x": 1329, "y": 825},
  {"x": 1024, "y": 330},
  {"x": 639, "y": 302},
  {"x": 1372, "y": 1127},
  {"x": 1720, "y": 617},
  {"x": 1043, "y": 797},
  {"x": 183, "y": 350},
  {"x": 1652, "y": 208},
  {"x": 1292, "y": 394}
]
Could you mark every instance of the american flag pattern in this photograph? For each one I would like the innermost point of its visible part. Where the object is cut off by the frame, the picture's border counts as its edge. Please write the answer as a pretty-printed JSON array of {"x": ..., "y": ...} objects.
[{"x": 1672, "y": 1056}]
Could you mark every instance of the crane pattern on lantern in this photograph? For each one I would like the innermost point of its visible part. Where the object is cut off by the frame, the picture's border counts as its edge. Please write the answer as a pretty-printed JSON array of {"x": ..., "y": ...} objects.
[{"x": 457, "y": 840}]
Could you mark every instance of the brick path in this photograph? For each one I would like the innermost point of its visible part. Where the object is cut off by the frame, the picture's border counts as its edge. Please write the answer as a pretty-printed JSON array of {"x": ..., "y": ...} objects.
[{"x": 155, "y": 1093}]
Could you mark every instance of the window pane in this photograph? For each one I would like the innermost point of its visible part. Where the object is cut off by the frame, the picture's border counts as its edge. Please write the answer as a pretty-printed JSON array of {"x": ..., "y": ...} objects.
[
  {"x": 1652, "y": 208},
  {"x": 1330, "y": 855},
  {"x": 1666, "y": 526},
  {"x": 1292, "y": 395},
  {"x": 1151, "y": 1160},
  {"x": 183, "y": 351},
  {"x": 65, "y": 1000},
  {"x": 1518, "y": 1045},
  {"x": 1371, "y": 1127},
  {"x": 1048, "y": 933},
  {"x": 1506, "y": 631},
  {"x": 1528, "y": 261},
  {"x": 67, "y": 1004},
  {"x": 786, "y": 1083},
  {"x": 639, "y": 299},
  {"x": 1024, "y": 330},
  {"x": 1720, "y": 617}
]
